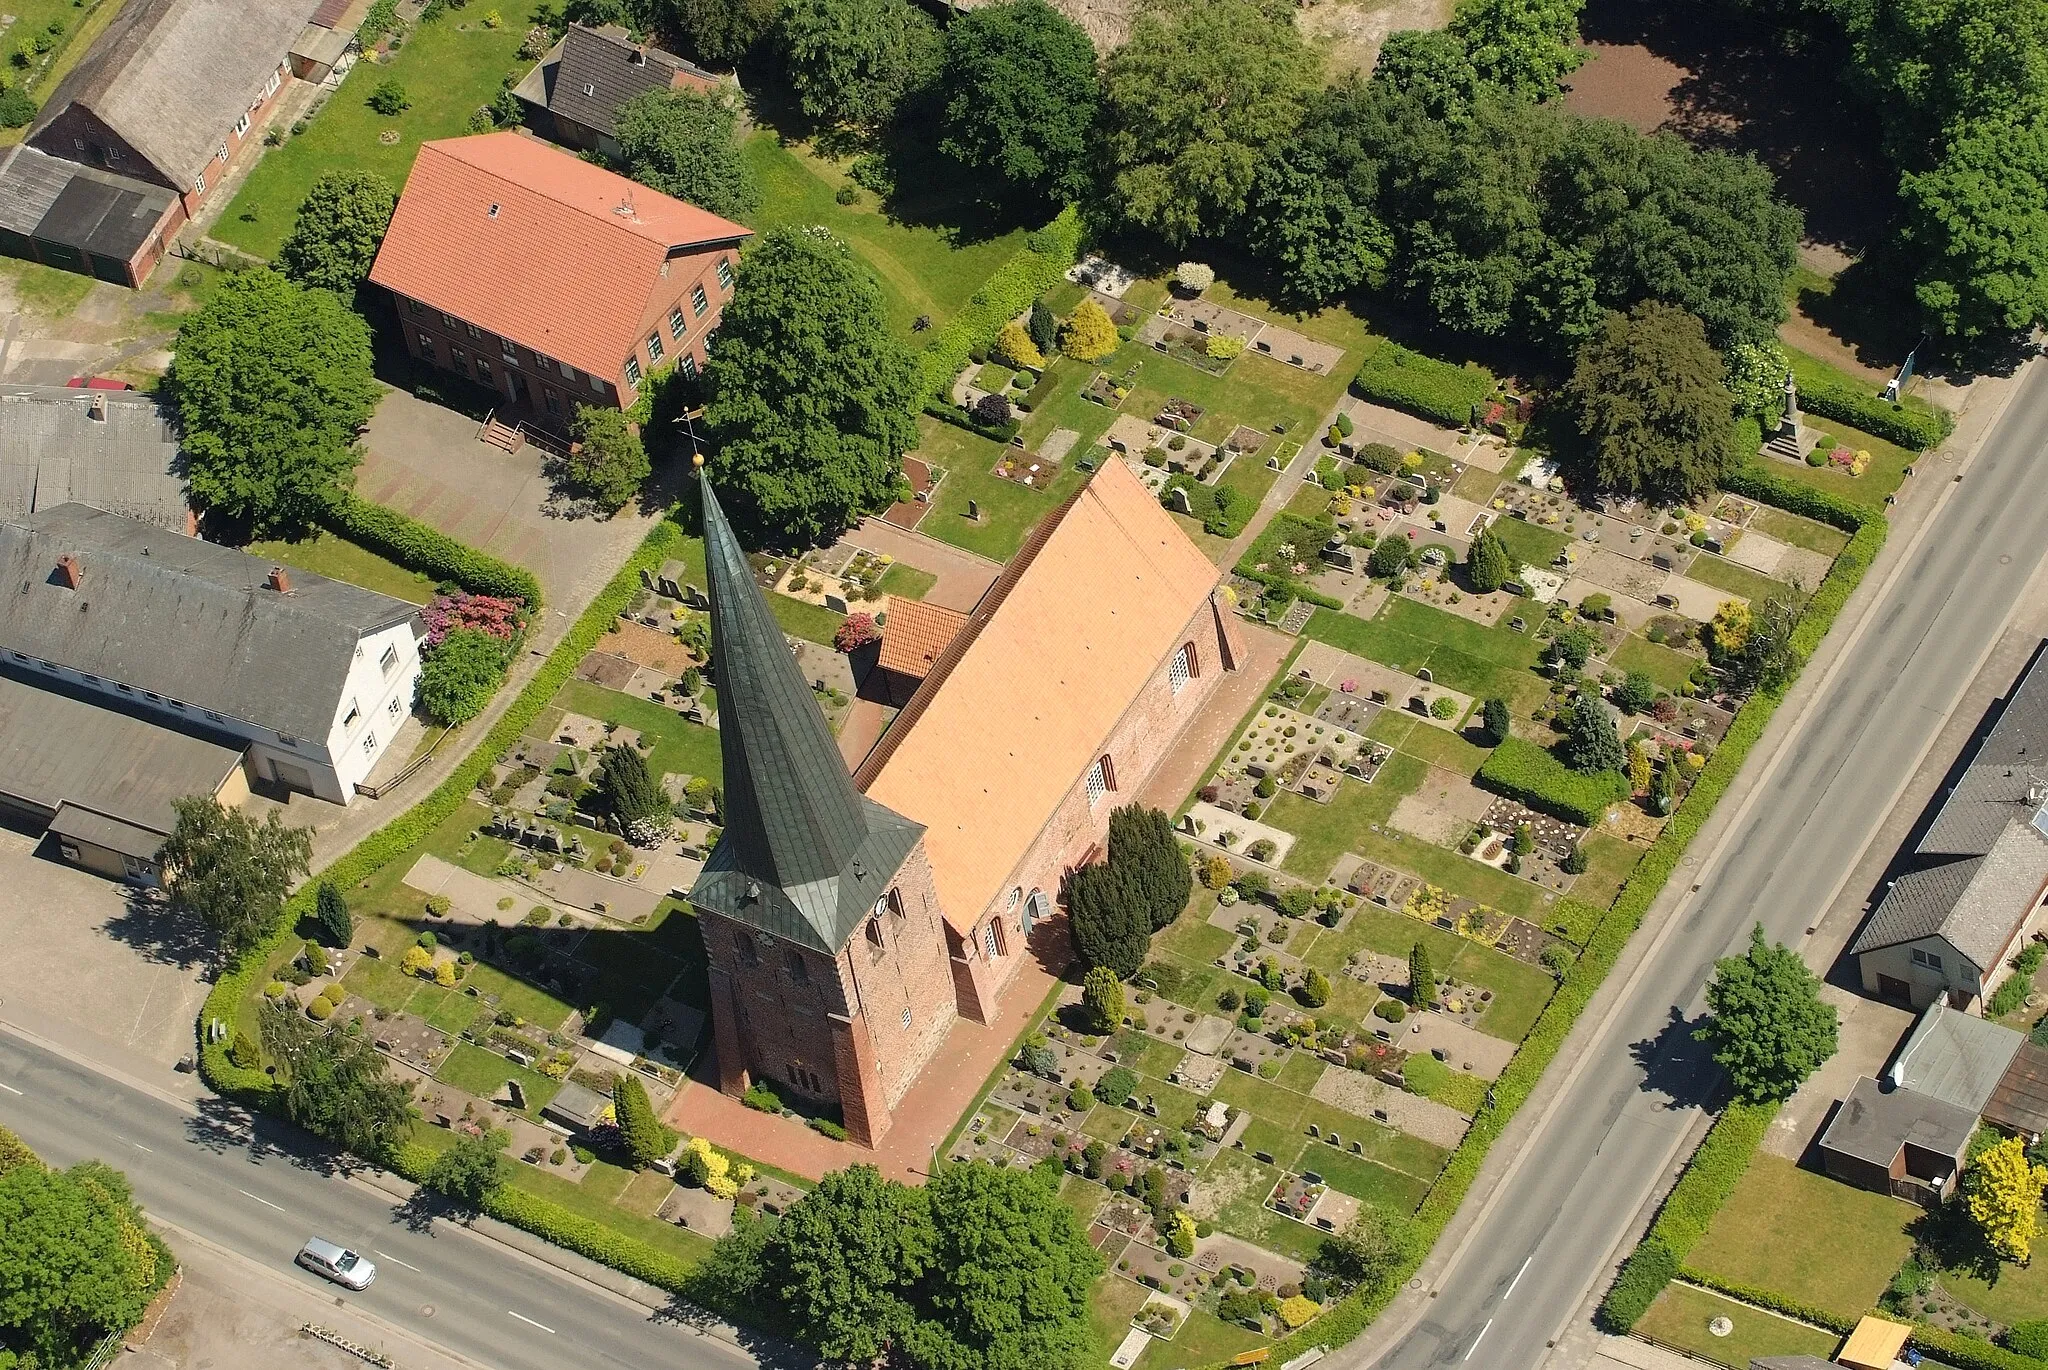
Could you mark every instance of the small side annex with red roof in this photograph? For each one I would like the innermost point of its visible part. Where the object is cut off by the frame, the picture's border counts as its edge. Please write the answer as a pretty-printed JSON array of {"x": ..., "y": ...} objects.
[{"x": 552, "y": 281}]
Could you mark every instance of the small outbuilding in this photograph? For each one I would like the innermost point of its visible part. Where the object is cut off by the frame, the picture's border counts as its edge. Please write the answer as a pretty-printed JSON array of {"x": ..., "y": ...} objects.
[
  {"x": 1897, "y": 1141},
  {"x": 1875, "y": 1345},
  {"x": 575, "y": 1108}
]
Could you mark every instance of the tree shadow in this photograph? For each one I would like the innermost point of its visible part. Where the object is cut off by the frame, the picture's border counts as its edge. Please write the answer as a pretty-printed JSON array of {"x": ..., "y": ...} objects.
[
  {"x": 1677, "y": 1065},
  {"x": 1947, "y": 1233},
  {"x": 147, "y": 925},
  {"x": 417, "y": 1214}
]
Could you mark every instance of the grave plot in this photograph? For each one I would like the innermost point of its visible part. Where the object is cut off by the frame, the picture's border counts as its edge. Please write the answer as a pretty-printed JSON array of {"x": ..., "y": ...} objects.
[
  {"x": 1251, "y": 1052},
  {"x": 1296, "y": 1196},
  {"x": 1383, "y": 885},
  {"x": 1025, "y": 469},
  {"x": 1179, "y": 414},
  {"x": 1198, "y": 1073},
  {"x": 1525, "y": 941},
  {"x": 1505, "y": 816},
  {"x": 1237, "y": 835},
  {"x": 1345, "y": 709},
  {"x": 1107, "y": 390}
]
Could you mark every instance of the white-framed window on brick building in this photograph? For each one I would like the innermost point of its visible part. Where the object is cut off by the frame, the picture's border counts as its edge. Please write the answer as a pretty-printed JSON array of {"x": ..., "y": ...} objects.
[
  {"x": 483, "y": 371},
  {"x": 654, "y": 352},
  {"x": 199, "y": 184},
  {"x": 677, "y": 325},
  {"x": 632, "y": 371},
  {"x": 1183, "y": 667},
  {"x": 688, "y": 366},
  {"x": 725, "y": 273},
  {"x": 1101, "y": 780},
  {"x": 992, "y": 938},
  {"x": 242, "y": 124},
  {"x": 699, "y": 301},
  {"x": 426, "y": 342},
  {"x": 508, "y": 349}
]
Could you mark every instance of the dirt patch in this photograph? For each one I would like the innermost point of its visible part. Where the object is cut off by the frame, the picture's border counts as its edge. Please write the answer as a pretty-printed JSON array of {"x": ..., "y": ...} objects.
[
  {"x": 1354, "y": 32},
  {"x": 650, "y": 647}
]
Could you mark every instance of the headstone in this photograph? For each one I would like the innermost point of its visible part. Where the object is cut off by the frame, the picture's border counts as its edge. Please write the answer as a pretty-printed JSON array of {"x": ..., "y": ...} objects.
[
  {"x": 1422, "y": 674},
  {"x": 836, "y": 603},
  {"x": 1177, "y": 500},
  {"x": 974, "y": 511}
]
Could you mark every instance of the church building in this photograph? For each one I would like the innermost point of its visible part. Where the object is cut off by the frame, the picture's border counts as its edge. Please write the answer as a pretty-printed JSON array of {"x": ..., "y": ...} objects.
[{"x": 852, "y": 919}]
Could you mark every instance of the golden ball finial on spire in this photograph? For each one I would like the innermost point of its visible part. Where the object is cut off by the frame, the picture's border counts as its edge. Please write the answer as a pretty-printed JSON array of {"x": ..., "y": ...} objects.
[{"x": 697, "y": 460}]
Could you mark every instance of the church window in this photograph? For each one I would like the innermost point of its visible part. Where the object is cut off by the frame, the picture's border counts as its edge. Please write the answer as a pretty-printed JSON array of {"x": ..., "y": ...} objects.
[
  {"x": 894, "y": 899},
  {"x": 750, "y": 954},
  {"x": 799, "y": 969},
  {"x": 1182, "y": 668},
  {"x": 992, "y": 939},
  {"x": 906, "y": 1015},
  {"x": 874, "y": 933},
  {"x": 1016, "y": 896},
  {"x": 1101, "y": 780}
]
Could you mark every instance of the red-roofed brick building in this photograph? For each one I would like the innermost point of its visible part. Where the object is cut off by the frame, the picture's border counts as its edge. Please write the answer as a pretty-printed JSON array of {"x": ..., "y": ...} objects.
[
  {"x": 553, "y": 281},
  {"x": 914, "y": 639}
]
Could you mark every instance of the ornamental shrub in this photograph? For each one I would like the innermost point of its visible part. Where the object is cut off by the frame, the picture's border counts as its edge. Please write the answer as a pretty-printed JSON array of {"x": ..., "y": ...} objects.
[
  {"x": 1194, "y": 277},
  {"x": 1443, "y": 706},
  {"x": 429, "y": 551},
  {"x": 1314, "y": 990},
  {"x": 319, "y": 1010},
  {"x": 1116, "y": 1085},
  {"x": 1010, "y": 289},
  {"x": 1391, "y": 1010},
  {"x": 389, "y": 97},
  {"x": 460, "y": 675},
  {"x": 416, "y": 960},
  {"x": 1390, "y": 556},
  {"x": 1014, "y": 347},
  {"x": 1089, "y": 334}
]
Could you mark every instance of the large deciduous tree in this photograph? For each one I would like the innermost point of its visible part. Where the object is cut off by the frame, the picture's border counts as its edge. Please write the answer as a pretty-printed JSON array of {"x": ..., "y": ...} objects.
[
  {"x": 811, "y": 397},
  {"x": 230, "y": 871},
  {"x": 1651, "y": 401},
  {"x": 607, "y": 464},
  {"x": 340, "y": 226},
  {"x": 1020, "y": 94},
  {"x": 1193, "y": 102},
  {"x": 1976, "y": 226},
  {"x": 855, "y": 61},
  {"x": 473, "y": 1169},
  {"x": 720, "y": 32},
  {"x": 1769, "y": 1027},
  {"x": 847, "y": 1258},
  {"x": 335, "y": 1083},
  {"x": 685, "y": 143},
  {"x": 1524, "y": 47},
  {"x": 77, "y": 1260},
  {"x": 271, "y": 380},
  {"x": 1312, "y": 209}
]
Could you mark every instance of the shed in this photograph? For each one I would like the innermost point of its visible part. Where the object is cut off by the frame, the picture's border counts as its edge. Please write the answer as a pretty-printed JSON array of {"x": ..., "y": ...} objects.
[
  {"x": 912, "y": 640},
  {"x": 576, "y": 1108},
  {"x": 1874, "y": 1345},
  {"x": 2020, "y": 1103},
  {"x": 1954, "y": 1056},
  {"x": 1887, "y": 1140}
]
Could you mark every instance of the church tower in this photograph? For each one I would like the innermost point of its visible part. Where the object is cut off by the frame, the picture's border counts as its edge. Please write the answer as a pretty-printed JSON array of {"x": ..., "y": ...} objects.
[{"x": 830, "y": 978}]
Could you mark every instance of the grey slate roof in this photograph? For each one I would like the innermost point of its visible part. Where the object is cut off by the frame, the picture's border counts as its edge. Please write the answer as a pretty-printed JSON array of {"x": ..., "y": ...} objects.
[
  {"x": 187, "y": 619},
  {"x": 1976, "y": 903},
  {"x": 804, "y": 856},
  {"x": 1873, "y": 1123},
  {"x": 80, "y": 207},
  {"x": 1916, "y": 905},
  {"x": 52, "y": 451},
  {"x": 58, "y": 751},
  {"x": 171, "y": 77},
  {"x": 597, "y": 72},
  {"x": 1994, "y": 790},
  {"x": 1955, "y": 1057}
]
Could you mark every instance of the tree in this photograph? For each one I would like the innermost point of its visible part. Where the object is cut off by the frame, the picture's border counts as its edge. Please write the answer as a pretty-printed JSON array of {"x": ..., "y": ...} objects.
[
  {"x": 339, "y": 228},
  {"x": 461, "y": 673},
  {"x": 335, "y": 1083},
  {"x": 77, "y": 1261},
  {"x": 848, "y": 1258},
  {"x": 1020, "y": 97},
  {"x": 1591, "y": 742},
  {"x": 271, "y": 381},
  {"x": 993, "y": 410},
  {"x": 855, "y": 61},
  {"x": 1756, "y": 379},
  {"x": 1192, "y": 102},
  {"x": 1770, "y": 1028},
  {"x": 721, "y": 32},
  {"x": 1637, "y": 692},
  {"x": 14, "y": 1152},
  {"x": 1043, "y": 327},
  {"x": 1976, "y": 226},
  {"x": 1488, "y": 562},
  {"x": 811, "y": 395},
  {"x": 2003, "y": 1189},
  {"x": 1664, "y": 786},
  {"x": 1765, "y": 657},
  {"x": 1639, "y": 772},
  {"x": 1421, "y": 975},
  {"x": 1141, "y": 841},
  {"x": 1728, "y": 630},
  {"x": 1312, "y": 210},
  {"x": 1107, "y": 918},
  {"x": 628, "y": 788},
  {"x": 473, "y": 1169},
  {"x": 686, "y": 144},
  {"x": 646, "y": 1138},
  {"x": 1089, "y": 334},
  {"x": 1014, "y": 346},
  {"x": 1314, "y": 990},
  {"x": 1007, "y": 1285},
  {"x": 1102, "y": 995},
  {"x": 1523, "y": 47},
  {"x": 1573, "y": 647},
  {"x": 331, "y": 909},
  {"x": 1390, "y": 556},
  {"x": 607, "y": 463},
  {"x": 1373, "y": 1248},
  {"x": 230, "y": 871},
  {"x": 1194, "y": 277},
  {"x": 1650, "y": 400},
  {"x": 1494, "y": 718}
]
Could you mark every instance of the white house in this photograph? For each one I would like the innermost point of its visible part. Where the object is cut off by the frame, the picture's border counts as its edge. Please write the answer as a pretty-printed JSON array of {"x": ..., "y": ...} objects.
[{"x": 313, "y": 676}]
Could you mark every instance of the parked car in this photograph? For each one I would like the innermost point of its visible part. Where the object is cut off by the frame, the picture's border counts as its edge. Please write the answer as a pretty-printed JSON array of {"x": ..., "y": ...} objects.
[{"x": 337, "y": 1263}]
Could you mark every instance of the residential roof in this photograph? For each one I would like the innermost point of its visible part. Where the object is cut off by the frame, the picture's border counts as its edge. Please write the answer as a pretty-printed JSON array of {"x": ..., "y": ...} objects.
[
  {"x": 2010, "y": 763},
  {"x": 1873, "y": 1123},
  {"x": 1016, "y": 709},
  {"x": 171, "y": 77},
  {"x": 53, "y": 451},
  {"x": 803, "y": 856},
  {"x": 1975, "y": 903},
  {"x": 186, "y": 619},
  {"x": 1956, "y": 1057},
  {"x": 539, "y": 246},
  {"x": 79, "y": 207},
  {"x": 599, "y": 69},
  {"x": 66, "y": 755},
  {"x": 1874, "y": 1344},
  {"x": 916, "y": 634},
  {"x": 2020, "y": 1103}
]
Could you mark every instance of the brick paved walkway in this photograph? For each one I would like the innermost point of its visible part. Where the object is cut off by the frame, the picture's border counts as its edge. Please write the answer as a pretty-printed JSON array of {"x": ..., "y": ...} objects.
[{"x": 963, "y": 576}]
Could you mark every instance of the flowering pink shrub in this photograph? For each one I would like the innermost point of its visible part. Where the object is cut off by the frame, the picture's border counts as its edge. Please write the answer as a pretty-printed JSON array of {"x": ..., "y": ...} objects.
[
  {"x": 857, "y": 632},
  {"x": 501, "y": 618}
]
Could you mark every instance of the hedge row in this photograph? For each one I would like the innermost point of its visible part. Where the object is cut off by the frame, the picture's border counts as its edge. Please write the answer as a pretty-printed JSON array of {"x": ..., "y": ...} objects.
[
  {"x": 1523, "y": 771},
  {"x": 945, "y": 411},
  {"x": 1400, "y": 379},
  {"x": 1963, "y": 1353},
  {"x": 1356, "y": 1312},
  {"x": 1754, "y": 480},
  {"x": 1030, "y": 272},
  {"x": 402, "y": 833},
  {"x": 1914, "y": 423},
  {"x": 417, "y": 547}
]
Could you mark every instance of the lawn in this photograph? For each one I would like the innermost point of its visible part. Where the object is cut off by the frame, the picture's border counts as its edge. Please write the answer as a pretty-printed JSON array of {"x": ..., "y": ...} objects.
[
  {"x": 1204, "y": 1339},
  {"x": 1884, "y": 475},
  {"x": 1807, "y": 1236},
  {"x": 594, "y": 1199},
  {"x": 926, "y": 265},
  {"x": 2019, "y": 1294},
  {"x": 483, "y": 1073},
  {"x": 1464, "y": 655},
  {"x": 1366, "y": 1180},
  {"x": 1800, "y": 532},
  {"x": 1681, "y": 1313},
  {"x": 906, "y": 582},
  {"x": 324, "y": 554},
  {"x": 448, "y": 68},
  {"x": 1009, "y": 511},
  {"x": 801, "y": 618},
  {"x": 1324, "y": 832},
  {"x": 1528, "y": 544},
  {"x": 1064, "y": 406},
  {"x": 1258, "y": 391},
  {"x": 1609, "y": 859},
  {"x": 1520, "y": 990},
  {"x": 44, "y": 290},
  {"x": 681, "y": 747},
  {"x": 1111, "y": 1306},
  {"x": 1668, "y": 667},
  {"x": 1722, "y": 574}
]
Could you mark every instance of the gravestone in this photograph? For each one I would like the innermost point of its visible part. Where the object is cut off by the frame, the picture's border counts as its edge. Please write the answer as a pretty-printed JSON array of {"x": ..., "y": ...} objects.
[
  {"x": 974, "y": 511},
  {"x": 1177, "y": 500},
  {"x": 836, "y": 603},
  {"x": 1422, "y": 674}
]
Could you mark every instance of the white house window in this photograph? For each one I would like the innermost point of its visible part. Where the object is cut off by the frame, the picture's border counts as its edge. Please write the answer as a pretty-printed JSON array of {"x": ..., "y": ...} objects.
[
  {"x": 654, "y": 347},
  {"x": 676, "y": 324},
  {"x": 448, "y": 321},
  {"x": 874, "y": 932},
  {"x": 505, "y": 346},
  {"x": 223, "y": 153},
  {"x": 483, "y": 370},
  {"x": 389, "y": 661},
  {"x": 459, "y": 357},
  {"x": 632, "y": 371},
  {"x": 393, "y": 707},
  {"x": 725, "y": 272},
  {"x": 992, "y": 939},
  {"x": 688, "y": 366},
  {"x": 270, "y": 87},
  {"x": 354, "y": 712},
  {"x": 426, "y": 342},
  {"x": 1101, "y": 780},
  {"x": 199, "y": 184},
  {"x": 1182, "y": 668},
  {"x": 1927, "y": 959},
  {"x": 699, "y": 301},
  {"x": 906, "y": 1016},
  {"x": 370, "y": 743},
  {"x": 241, "y": 125},
  {"x": 1016, "y": 895}
]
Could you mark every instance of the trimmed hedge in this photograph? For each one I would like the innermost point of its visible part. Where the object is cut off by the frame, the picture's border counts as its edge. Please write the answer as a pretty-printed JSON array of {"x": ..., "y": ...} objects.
[
  {"x": 1034, "y": 269},
  {"x": 1357, "y": 1310},
  {"x": 398, "y": 836},
  {"x": 1439, "y": 391},
  {"x": 1913, "y": 423},
  {"x": 1754, "y": 480},
  {"x": 1641, "y": 1279},
  {"x": 947, "y": 412},
  {"x": 1523, "y": 771},
  {"x": 417, "y": 547}
]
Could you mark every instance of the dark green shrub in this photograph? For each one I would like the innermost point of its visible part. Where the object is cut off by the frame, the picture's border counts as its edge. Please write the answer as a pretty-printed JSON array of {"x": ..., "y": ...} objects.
[
  {"x": 389, "y": 97},
  {"x": 1643, "y": 1277},
  {"x": 1523, "y": 771},
  {"x": 1115, "y": 1086},
  {"x": 1913, "y": 423},
  {"x": 1400, "y": 379}
]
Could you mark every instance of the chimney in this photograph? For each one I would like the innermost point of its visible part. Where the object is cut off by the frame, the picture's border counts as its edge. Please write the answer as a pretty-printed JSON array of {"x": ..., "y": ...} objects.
[
  {"x": 69, "y": 573},
  {"x": 279, "y": 581},
  {"x": 99, "y": 408},
  {"x": 639, "y": 57}
]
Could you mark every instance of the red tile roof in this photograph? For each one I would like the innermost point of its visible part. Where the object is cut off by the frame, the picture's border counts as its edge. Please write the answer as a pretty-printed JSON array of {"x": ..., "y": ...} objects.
[
  {"x": 531, "y": 243},
  {"x": 915, "y": 635}
]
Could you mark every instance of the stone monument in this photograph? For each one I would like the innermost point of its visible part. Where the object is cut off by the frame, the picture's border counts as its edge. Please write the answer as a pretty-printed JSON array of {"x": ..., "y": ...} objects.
[{"x": 1793, "y": 439}]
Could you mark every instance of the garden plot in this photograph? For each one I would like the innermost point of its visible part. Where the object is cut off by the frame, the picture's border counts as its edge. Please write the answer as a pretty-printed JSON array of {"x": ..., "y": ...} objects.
[
  {"x": 1553, "y": 834},
  {"x": 1694, "y": 600},
  {"x": 1242, "y": 837},
  {"x": 1383, "y": 685},
  {"x": 1102, "y": 276},
  {"x": 1457, "y": 1045},
  {"x": 1635, "y": 615},
  {"x": 1383, "y": 885}
]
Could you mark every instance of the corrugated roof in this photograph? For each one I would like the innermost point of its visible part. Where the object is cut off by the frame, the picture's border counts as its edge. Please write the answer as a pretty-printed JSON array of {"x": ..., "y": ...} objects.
[
  {"x": 1955, "y": 1057},
  {"x": 171, "y": 77},
  {"x": 523, "y": 239},
  {"x": 1021, "y": 704},
  {"x": 81, "y": 207},
  {"x": 1874, "y": 1123},
  {"x": 53, "y": 451},
  {"x": 184, "y": 618},
  {"x": 2020, "y": 1103},
  {"x": 602, "y": 68},
  {"x": 916, "y": 634}
]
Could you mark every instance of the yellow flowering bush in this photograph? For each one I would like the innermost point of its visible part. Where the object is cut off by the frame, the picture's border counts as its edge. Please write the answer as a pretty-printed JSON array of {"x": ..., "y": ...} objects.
[
  {"x": 416, "y": 960},
  {"x": 444, "y": 975},
  {"x": 1298, "y": 1310},
  {"x": 720, "y": 1176}
]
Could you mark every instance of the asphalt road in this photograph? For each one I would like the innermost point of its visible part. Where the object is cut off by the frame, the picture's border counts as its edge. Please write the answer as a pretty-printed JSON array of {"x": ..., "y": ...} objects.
[
  {"x": 1598, "y": 1156},
  {"x": 260, "y": 1188}
]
